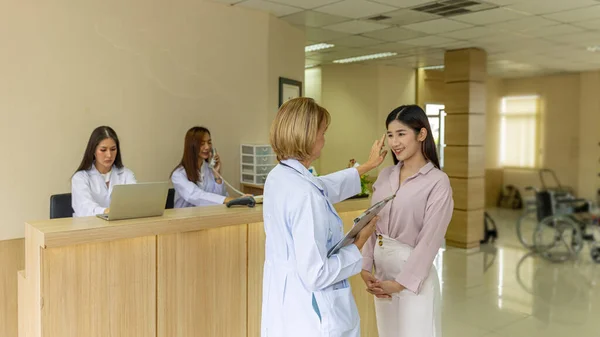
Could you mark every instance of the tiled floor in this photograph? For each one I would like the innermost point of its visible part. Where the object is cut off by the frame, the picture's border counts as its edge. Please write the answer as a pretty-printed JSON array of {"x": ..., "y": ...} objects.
[{"x": 503, "y": 291}]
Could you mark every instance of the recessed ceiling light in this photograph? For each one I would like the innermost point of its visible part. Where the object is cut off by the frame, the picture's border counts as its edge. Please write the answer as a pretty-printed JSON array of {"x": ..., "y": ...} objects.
[
  {"x": 318, "y": 46},
  {"x": 593, "y": 48},
  {"x": 433, "y": 67},
  {"x": 365, "y": 57}
]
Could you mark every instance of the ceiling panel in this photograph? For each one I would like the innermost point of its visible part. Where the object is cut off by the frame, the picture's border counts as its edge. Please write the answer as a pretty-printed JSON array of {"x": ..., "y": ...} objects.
[
  {"x": 429, "y": 41},
  {"x": 355, "y": 41},
  {"x": 271, "y": 7},
  {"x": 521, "y": 37},
  {"x": 490, "y": 16},
  {"x": 355, "y": 8},
  {"x": 546, "y": 7},
  {"x": 356, "y": 27},
  {"x": 530, "y": 22},
  {"x": 397, "y": 47},
  {"x": 228, "y": 2},
  {"x": 306, "y": 4},
  {"x": 556, "y": 30},
  {"x": 402, "y": 3},
  {"x": 322, "y": 35},
  {"x": 313, "y": 19},
  {"x": 469, "y": 33},
  {"x": 593, "y": 24},
  {"x": 394, "y": 34},
  {"x": 438, "y": 26},
  {"x": 576, "y": 15},
  {"x": 406, "y": 16}
]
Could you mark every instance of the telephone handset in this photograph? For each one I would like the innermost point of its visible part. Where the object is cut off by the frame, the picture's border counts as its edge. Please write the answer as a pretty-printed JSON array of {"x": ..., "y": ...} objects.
[{"x": 213, "y": 162}]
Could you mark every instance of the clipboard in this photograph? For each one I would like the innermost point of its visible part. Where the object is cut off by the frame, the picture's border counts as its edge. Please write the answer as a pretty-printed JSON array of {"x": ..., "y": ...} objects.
[{"x": 359, "y": 223}]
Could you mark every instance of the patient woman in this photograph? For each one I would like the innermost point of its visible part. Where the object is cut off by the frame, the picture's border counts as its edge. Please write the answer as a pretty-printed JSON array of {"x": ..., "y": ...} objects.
[{"x": 410, "y": 230}]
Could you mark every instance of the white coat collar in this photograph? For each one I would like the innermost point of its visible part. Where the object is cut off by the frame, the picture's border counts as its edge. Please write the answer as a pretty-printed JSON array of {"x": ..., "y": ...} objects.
[
  {"x": 304, "y": 172},
  {"x": 114, "y": 169}
]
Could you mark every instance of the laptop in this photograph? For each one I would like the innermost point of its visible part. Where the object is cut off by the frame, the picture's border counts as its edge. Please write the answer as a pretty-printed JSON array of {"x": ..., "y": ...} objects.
[{"x": 137, "y": 201}]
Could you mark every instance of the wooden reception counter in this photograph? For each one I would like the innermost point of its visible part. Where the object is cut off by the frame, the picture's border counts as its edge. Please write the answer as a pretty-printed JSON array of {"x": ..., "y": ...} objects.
[{"x": 191, "y": 272}]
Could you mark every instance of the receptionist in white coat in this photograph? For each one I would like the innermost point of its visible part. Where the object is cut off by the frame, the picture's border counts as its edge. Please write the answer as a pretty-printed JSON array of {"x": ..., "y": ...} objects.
[
  {"x": 195, "y": 182},
  {"x": 100, "y": 170},
  {"x": 304, "y": 292}
]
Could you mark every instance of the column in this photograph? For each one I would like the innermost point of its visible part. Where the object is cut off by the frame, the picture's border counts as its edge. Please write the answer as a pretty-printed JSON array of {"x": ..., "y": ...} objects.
[{"x": 465, "y": 76}]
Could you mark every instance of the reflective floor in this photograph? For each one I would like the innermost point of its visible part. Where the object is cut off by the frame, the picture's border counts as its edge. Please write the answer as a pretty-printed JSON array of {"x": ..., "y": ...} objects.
[{"x": 503, "y": 291}]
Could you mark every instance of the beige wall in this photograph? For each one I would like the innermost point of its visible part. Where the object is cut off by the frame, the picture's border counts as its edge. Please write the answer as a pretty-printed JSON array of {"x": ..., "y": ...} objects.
[
  {"x": 313, "y": 82},
  {"x": 150, "y": 70},
  {"x": 430, "y": 87},
  {"x": 312, "y": 89},
  {"x": 494, "y": 88},
  {"x": 359, "y": 99},
  {"x": 589, "y": 135},
  {"x": 569, "y": 134},
  {"x": 559, "y": 132}
]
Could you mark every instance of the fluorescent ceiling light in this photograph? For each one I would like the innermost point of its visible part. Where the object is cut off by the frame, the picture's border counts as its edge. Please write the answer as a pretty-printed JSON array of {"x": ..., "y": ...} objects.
[
  {"x": 365, "y": 57},
  {"x": 593, "y": 48},
  {"x": 318, "y": 46},
  {"x": 310, "y": 66},
  {"x": 433, "y": 67}
]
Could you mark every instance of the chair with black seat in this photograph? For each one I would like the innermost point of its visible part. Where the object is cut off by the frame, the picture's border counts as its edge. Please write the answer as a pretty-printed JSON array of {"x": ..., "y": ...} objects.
[
  {"x": 170, "y": 199},
  {"x": 60, "y": 206}
]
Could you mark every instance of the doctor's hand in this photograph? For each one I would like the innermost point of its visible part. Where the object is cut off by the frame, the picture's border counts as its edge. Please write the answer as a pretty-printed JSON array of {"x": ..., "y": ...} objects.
[
  {"x": 365, "y": 234},
  {"x": 376, "y": 156}
]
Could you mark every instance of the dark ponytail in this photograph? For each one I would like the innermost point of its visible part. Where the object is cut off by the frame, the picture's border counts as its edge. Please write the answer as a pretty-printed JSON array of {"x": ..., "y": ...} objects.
[{"x": 415, "y": 118}]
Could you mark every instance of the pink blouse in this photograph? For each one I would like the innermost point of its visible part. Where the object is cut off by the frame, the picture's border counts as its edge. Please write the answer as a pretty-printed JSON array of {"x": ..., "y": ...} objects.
[{"x": 418, "y": 216}]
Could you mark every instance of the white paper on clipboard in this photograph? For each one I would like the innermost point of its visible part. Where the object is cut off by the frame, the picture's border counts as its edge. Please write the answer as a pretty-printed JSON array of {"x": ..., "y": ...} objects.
[{"x": 359, "y": 223}]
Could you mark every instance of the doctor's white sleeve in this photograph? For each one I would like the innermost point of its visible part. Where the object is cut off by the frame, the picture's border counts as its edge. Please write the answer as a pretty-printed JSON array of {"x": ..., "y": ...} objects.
[
  {"x": 308, "y": 217},
  {"x": 191, "y": 193},
  {"x": 341, "y": 185},
  {"x": 82, "y": 201}
]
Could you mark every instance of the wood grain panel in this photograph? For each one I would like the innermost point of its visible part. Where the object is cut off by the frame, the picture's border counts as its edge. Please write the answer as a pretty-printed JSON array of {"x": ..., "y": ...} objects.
[
  {"x": 466, "y": 229},
  {"x": 256, "y": 261},
  {"x": 469, "y": 64},
  {"x": 468, "y": 193},
  {"x": 464, "y": 161},
  {"x": 73, "y": 231},
  {"x": 100, "y": 289},
  {"x": 202, "y": 283},
  {"x": 12, "y": 259},
  {"x": 464, "y": 130},
  {"x": 465, "y": 97}
]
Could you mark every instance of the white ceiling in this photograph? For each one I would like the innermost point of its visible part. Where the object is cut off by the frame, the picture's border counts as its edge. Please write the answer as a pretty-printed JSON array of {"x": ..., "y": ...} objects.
[{"x": 522, "y": 37}]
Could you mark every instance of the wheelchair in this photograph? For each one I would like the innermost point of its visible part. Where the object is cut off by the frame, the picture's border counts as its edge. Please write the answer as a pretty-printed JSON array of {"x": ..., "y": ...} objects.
[{"x": 557, "y": 224}]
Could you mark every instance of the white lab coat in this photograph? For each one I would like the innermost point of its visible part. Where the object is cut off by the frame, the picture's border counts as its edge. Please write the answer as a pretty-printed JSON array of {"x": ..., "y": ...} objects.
[
  {"x": 202, "y": 193},
  {"x": 89, "y": 193},
  {"x": 304, "y": 292}
]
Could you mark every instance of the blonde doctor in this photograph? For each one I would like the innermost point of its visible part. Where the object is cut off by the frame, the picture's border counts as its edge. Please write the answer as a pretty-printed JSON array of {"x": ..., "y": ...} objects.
[
  {"x": 304, "y": 292},
  {"x": 100, "y": 170}
]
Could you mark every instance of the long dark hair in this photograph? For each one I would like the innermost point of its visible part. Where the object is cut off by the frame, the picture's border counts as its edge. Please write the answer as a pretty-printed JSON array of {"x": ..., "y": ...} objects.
[
  {"x": 98, "y": 135},
  {"x": 191, "y": 152},
  {"x": 415, "y": 118}
]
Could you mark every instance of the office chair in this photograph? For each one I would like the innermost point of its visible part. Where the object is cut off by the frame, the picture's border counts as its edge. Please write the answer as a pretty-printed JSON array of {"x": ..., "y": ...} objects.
[
  {"x": 60, "y": 206},
  {"x": 170, "y": 199}
]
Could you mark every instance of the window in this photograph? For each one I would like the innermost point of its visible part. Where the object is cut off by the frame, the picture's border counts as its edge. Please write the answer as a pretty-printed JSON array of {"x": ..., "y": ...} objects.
[
  {"x": 519, "y": 117},
  {"x": 435, "y": 114}
]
